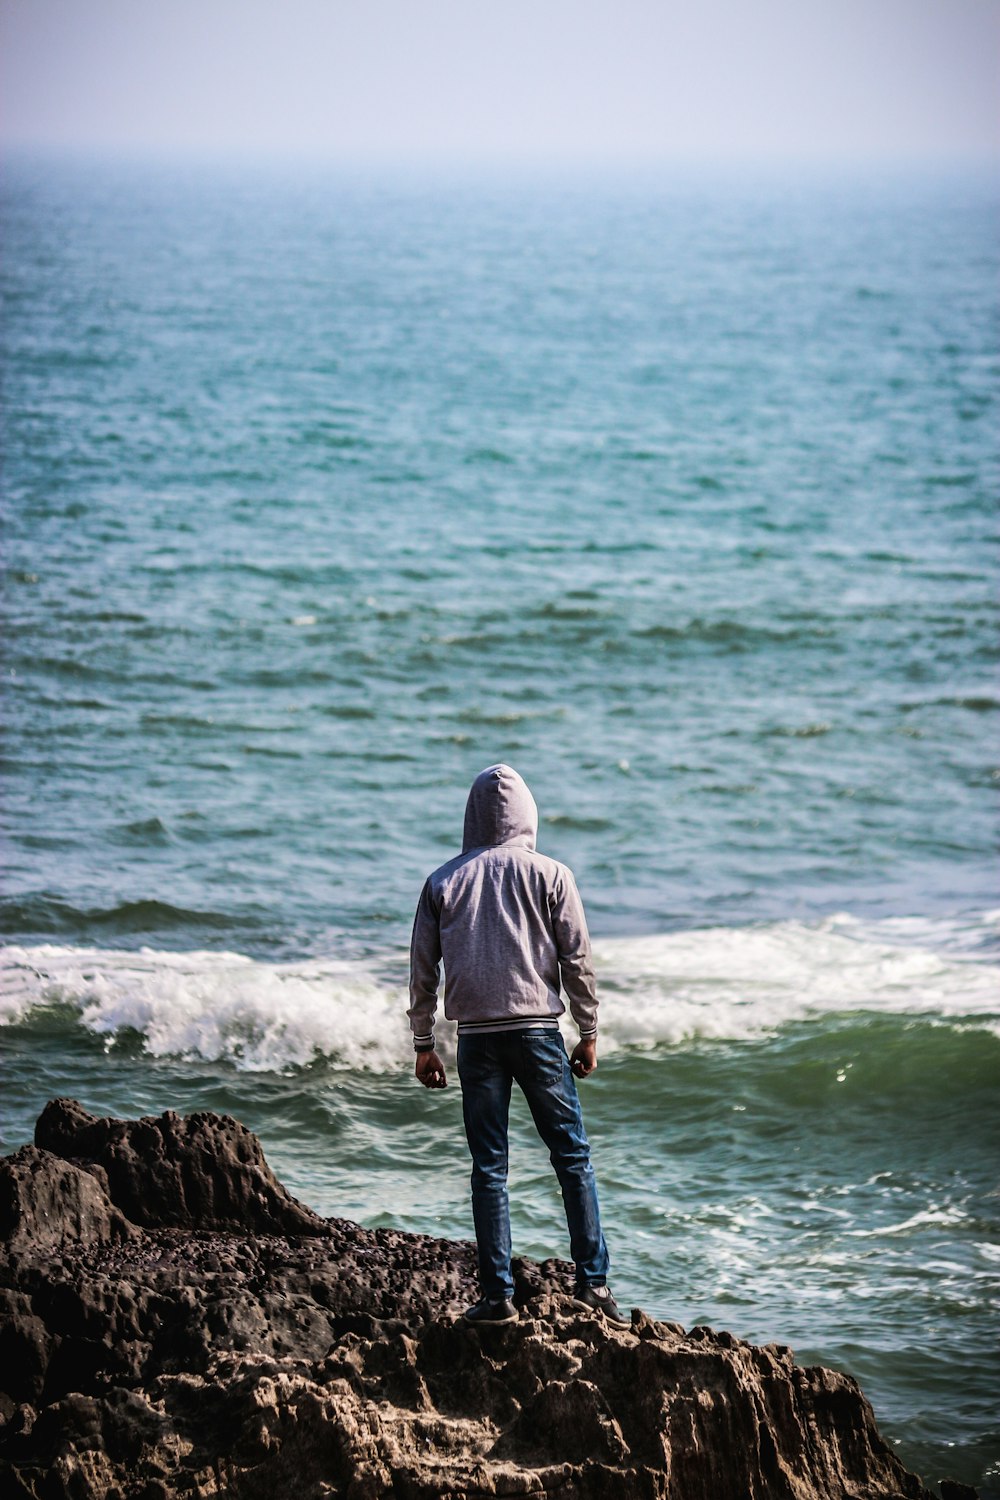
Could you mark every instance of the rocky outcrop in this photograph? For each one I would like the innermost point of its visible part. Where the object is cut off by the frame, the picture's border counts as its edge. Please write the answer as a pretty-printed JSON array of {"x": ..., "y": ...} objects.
[
  {"x": 204, "y": 1171},
  {"x": 46, "y": 1202},
  {"x": 173, "y": 1323}
]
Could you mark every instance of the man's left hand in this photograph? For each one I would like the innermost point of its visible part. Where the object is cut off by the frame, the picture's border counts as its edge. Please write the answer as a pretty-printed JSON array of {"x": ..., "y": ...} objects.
[{"x": 584, "y": 1058}]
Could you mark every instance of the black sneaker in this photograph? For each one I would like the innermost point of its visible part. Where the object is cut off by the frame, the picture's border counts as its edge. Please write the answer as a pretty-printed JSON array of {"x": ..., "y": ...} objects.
[
  {"x": 599, "y": 1299},
  {"x": 502, "y": 1310}
]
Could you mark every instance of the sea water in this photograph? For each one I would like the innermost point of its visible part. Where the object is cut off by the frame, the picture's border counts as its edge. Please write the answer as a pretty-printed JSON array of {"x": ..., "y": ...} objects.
[{"x": 323, "y": 491}]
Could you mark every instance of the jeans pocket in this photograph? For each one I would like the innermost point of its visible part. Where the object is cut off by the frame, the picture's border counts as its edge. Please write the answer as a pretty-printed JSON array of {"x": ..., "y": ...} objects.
[{"x": 546, "y": 1053}]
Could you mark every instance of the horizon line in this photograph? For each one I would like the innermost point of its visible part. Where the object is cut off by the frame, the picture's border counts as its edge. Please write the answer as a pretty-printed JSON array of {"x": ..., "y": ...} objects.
[{"x": 496, "y": 161}]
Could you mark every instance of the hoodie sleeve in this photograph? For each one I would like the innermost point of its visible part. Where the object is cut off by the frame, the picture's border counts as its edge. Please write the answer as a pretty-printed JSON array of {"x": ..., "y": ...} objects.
[
  {"x": 575, "y": 962},
  {"x": 425, "y": 971}
]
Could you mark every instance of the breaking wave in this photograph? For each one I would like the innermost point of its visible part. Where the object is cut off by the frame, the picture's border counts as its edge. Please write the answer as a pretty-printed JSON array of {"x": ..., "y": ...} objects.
[{"x": 712, "y": 984}]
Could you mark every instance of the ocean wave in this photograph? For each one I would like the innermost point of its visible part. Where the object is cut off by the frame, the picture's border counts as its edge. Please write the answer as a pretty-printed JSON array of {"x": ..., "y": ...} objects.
[
  {"x": 705, "y": 985},
  {"x": 212, "y": 1006},
  {"x": 739, "y": 635},
  {"x": 731, "y": 983},
  {"x": 43, "y": 913}
]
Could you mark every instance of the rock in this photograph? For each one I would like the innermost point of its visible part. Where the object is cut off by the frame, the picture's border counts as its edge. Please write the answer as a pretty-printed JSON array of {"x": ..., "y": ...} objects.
[
  {"x": 205, "y": 1171},
  {"x": 26, "y": 1348},
  {"x": 45, "y": 1202},
  {"x": 184, "y": 1352}
]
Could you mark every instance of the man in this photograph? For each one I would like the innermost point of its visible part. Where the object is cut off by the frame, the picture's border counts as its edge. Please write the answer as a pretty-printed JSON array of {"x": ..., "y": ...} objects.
[{"x": 508, "y": 922}]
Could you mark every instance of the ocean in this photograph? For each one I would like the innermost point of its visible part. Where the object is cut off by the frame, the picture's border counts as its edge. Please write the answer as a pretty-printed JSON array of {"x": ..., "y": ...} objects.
[{"x": 322, "y": 491}]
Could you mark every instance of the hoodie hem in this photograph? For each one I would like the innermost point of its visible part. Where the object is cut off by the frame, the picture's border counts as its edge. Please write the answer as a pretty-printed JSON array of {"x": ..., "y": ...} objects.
[{"x": 508, "y": 1023}]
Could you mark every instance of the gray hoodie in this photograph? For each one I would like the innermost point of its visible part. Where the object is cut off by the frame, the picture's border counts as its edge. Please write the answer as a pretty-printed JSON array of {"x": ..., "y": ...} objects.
[{"x": 507, "y": 922}]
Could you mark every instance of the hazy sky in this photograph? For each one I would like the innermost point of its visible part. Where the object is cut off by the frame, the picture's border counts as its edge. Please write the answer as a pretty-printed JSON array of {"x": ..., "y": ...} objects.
[{"x": 545, "y": 80}]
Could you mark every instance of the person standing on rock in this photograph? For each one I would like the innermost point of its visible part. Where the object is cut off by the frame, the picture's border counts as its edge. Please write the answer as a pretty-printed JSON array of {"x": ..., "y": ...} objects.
[{"x": 508, "y": 922}]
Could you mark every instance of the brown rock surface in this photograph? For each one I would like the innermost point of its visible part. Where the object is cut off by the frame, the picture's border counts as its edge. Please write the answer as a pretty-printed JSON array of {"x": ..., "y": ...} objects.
[
  {"x": 200, "y": 1172},
  {"x": 172, "y": 1323}
]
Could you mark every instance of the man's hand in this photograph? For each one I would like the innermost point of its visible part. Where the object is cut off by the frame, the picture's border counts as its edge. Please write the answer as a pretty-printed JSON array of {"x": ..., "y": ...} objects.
[
  {"x": 430, "y": 1071},
  {"x": 584, "y": 1059}
]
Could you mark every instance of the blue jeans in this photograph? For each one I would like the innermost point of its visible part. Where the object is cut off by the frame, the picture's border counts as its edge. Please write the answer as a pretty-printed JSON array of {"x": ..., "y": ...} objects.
[{"x": 537, "y": 1061}]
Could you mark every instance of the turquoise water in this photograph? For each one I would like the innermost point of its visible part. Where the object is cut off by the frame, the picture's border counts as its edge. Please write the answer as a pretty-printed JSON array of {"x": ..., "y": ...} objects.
[{"x": 322, "y": 493}]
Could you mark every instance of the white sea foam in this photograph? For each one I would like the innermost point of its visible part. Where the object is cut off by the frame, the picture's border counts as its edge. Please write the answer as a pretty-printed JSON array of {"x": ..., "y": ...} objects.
[
  {"x": 213, "y": 1005},
  {"x": 933, "y": 1215},
  {"x": 712, "y": 983},
  {"x": 731, "y": 982}
]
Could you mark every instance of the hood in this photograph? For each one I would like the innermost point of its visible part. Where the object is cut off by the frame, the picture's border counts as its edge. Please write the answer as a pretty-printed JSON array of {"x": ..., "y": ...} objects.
[{"x": 500, "y": 810}]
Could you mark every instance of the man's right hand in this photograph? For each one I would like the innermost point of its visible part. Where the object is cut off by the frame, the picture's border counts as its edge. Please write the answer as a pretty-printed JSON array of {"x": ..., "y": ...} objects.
[{"x": 430, "y": 1071}]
